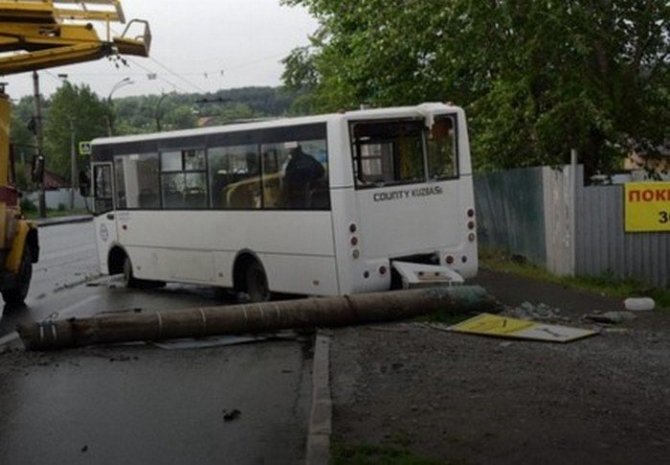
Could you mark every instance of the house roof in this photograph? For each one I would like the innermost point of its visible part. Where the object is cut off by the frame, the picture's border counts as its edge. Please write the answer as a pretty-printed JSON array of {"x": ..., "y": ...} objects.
[{"x": 54, "y": 181}]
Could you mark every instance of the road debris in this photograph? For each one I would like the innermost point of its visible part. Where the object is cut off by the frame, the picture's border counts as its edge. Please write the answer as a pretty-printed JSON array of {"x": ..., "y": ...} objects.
[
  {"x": 611, "y": 317},
  {"x": 487, "y": 324},
  {"x": 123, "y": 358},
  {"x": 231, "y": 415},
  {"x": 639, "y": 304},
  {"x": 541, "y": 311}
]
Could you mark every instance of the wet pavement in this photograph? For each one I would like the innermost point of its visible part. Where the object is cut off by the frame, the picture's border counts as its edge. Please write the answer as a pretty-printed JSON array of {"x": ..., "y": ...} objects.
[
  {"x": 138, "y": 404},
  {"x": 244, "y": 404}
]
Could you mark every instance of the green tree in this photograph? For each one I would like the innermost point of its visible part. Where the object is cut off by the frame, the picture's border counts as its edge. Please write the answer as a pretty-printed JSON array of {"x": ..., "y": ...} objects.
[
  {"x": 71, "y": 109},
  {"x": 135, "y": 115},
  {"x": 22, "y": 139},
  {"x": 224, "y": 112},
  {"x": 536, "y": 77}
]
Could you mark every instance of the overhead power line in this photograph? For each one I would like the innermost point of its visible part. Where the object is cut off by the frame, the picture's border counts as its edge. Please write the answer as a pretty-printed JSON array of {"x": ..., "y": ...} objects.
[
  {"x": 154, "y": 75},
  {"x": 198, "y": 88}
]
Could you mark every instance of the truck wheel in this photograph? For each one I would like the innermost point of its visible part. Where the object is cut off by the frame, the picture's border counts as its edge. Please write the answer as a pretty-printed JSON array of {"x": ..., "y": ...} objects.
[
  {"x": 256, "y": 283},
  {"x": 17, "y": 295}
]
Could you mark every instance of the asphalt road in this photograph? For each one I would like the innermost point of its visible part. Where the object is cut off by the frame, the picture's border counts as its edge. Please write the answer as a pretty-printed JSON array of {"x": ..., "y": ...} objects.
[
  {"x": 142, "y": 403},
  {"x": 67, "y": 258},
  {"x": 66, "y": 282}
]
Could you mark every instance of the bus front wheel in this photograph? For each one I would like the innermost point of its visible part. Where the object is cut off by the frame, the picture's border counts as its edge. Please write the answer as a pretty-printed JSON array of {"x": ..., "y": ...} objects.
[
  {"x": 256, "y": 282},
  {"x": 129, "y": 280}
]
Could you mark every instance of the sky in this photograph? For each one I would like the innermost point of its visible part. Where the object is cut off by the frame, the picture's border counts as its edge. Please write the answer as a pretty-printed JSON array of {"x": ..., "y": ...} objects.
[{"x": 202, "y": 46}]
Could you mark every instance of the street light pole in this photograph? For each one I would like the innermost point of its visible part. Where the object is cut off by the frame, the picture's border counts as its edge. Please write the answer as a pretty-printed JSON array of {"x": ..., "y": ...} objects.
[{"x": 110, "y": 117}]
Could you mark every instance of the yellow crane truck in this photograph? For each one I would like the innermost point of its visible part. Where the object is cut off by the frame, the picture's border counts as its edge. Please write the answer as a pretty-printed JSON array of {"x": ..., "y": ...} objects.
[{"x": 38, "y": 34}]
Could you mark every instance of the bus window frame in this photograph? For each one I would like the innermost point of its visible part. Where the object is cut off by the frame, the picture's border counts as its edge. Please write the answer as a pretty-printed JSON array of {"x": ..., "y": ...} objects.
[
  {"x": 357, "y": 160},
  {"x": 314, "y": 131},
  {"x": 181, "y": 149},
  {"x": 114, "y": 173},
  {"x": 260, "y": 177},
  {"x": 457, "y": 149}
]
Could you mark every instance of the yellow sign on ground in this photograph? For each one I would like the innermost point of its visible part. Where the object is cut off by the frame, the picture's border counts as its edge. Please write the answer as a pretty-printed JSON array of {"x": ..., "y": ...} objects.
[
  {"x": 647, "y": 206},
  {"x": 493, "y": 324},
  {"x": 501, "y": 326}
]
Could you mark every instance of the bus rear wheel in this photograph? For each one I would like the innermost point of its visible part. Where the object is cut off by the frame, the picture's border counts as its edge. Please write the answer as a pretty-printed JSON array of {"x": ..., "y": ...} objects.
[{"x": 256, "y": 282}]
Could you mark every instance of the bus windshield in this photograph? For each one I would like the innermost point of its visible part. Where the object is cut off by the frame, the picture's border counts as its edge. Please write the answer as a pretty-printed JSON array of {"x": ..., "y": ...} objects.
[{"x": 403, "y": 152}]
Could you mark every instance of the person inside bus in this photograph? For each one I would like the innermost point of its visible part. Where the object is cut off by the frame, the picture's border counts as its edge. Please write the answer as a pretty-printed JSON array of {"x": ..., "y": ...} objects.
[{"x": 303, "y": 172}]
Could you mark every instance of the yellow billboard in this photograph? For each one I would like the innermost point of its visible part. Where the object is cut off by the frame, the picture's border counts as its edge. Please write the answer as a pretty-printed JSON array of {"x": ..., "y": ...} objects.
[{"x": 647, "y": 206}]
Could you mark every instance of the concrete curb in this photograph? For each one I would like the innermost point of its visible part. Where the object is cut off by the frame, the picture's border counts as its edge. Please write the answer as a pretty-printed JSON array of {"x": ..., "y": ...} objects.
[
  {"x": 320, "y": 418},
  {"x": 43, "y": 222}
]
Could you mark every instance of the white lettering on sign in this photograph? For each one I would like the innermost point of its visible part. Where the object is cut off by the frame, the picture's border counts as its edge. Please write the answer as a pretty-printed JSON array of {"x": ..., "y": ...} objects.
[{"x": 407, "y": 193}]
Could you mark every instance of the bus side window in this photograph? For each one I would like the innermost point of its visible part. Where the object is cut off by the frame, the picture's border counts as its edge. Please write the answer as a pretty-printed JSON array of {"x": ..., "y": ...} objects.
[
  {"x": 303, "y": 173},
  {"x": 274, "y": 164},
  {"x": 234, "y": 177},
  {"x": 295, "y": 175},
  {"x": 184, "y": 184}
]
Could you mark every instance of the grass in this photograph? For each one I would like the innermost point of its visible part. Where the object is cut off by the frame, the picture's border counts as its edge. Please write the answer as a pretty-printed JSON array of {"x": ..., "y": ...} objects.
[
  {"x": 606, "y": 284},
  {"x": 366, "y": 454}
]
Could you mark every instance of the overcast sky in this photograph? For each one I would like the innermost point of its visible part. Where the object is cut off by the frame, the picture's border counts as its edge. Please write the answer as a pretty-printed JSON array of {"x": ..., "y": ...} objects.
[{"x": 198, "y": 46}]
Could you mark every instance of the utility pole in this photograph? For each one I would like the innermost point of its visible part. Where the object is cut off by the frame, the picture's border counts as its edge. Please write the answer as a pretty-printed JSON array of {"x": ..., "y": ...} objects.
[
  {"x": 73, "y": 165},
  {"x": 39, "y": 136},
  {"x": 157, "y": 112}
]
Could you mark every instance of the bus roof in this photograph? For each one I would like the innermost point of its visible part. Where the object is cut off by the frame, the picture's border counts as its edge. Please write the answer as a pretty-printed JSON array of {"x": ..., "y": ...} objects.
[{"x": 363, "y": 114}]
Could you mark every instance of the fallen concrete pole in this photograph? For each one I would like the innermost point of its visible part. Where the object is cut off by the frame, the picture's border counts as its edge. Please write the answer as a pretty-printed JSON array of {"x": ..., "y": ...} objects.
[{"x": 254, "y": 318}]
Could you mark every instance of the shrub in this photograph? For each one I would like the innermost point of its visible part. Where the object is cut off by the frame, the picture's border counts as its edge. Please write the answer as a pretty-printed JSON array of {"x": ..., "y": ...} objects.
[{"x": 27, "y": 205}]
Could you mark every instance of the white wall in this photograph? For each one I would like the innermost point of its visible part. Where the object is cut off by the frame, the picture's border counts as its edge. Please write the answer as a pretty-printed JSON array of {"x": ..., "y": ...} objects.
[{"x": 54, "y": 198}]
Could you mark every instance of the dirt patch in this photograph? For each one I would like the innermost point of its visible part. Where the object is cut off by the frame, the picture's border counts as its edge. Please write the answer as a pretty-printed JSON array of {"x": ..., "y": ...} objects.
[{"x": 476, "y": 400}]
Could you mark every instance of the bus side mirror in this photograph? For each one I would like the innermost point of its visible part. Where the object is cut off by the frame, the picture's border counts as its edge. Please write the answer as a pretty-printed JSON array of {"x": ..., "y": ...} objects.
[
  {"x": 84, "y": 184},
  {"x": 37, "y": 169}
]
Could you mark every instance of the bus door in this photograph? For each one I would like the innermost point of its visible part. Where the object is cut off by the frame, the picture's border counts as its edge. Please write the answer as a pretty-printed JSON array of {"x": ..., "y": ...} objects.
[{"x": 105, "y": 222}]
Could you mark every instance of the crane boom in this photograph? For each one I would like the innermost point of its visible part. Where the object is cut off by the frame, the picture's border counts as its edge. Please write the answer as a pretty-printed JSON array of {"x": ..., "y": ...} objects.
[{"x": 39, "y": 34}]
